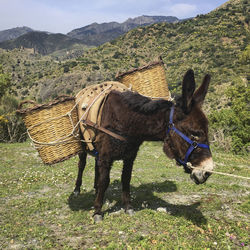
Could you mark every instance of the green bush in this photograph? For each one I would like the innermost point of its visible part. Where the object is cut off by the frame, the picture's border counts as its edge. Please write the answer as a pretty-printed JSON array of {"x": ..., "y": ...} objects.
[
  {"x": 12, "y": 128},
  {"x": 234, "y": 121},
  {"x": 245, "y": 56},
  {"x": 65, "y": 68},
  {"x": 95, "y": 67}
]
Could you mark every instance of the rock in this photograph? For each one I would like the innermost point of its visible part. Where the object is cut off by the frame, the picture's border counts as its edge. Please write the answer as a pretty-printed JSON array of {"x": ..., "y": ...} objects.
[{"x": 162, "y": 209}]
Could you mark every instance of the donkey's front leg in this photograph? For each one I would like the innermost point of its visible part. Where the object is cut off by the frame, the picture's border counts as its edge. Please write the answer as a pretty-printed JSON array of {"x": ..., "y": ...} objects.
[
  {"x": 126, "y": 178},
  {"x": 81, "y": 166},
  {"x": 103, "y": 167},
  {"x": 96, "y": 176}
]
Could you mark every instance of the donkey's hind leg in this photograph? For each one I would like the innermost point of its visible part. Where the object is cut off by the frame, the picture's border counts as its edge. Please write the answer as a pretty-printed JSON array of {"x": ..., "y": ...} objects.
[{"x": 81, "y": 167}]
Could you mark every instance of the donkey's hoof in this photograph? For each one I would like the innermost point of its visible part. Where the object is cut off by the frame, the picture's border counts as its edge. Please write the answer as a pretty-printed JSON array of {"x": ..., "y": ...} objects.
[
  {"x": 76, "y": 193},
  {"x": 98, "y": 218},
  {"x": 130, "y": 212}
]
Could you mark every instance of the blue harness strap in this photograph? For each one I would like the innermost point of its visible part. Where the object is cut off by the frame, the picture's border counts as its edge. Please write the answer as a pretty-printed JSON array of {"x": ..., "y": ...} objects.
[{"x": 193, "y": 144}]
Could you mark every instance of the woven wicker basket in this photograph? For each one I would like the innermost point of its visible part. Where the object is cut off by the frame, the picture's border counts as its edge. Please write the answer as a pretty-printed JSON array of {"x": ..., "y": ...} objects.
[
  {"x": 51, "y": 128},
  {"x": 149, "y": 80}
]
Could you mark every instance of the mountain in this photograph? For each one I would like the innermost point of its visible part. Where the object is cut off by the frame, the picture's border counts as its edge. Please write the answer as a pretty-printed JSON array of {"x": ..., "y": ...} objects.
[
  {"x": 97, "y": 34},
  {"x": 10, "y": 34},
  {"x": 41, "y": 42}
]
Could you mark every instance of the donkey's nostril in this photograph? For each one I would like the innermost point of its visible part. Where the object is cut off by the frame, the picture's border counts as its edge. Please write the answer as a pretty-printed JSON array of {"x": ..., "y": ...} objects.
[
  {"x": 207, "y": 174},
  {"x": 193, "y": 177}
]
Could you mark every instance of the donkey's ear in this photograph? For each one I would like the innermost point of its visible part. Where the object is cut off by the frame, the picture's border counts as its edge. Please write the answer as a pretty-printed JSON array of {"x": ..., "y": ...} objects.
[
  {"x": 188, "y": 87},
  {"x": 201, "y": 92}
]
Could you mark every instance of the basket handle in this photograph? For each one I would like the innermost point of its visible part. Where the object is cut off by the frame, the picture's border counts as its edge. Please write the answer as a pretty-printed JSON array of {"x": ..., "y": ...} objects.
[{"x": 24, "y": 102}]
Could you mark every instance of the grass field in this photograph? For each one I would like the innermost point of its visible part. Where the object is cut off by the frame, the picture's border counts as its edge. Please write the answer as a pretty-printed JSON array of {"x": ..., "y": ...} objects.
[{"x": 38, "y": 210}]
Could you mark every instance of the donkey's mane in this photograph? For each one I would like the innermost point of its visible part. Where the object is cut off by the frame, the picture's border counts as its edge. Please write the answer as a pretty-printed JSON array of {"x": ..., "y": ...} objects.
[{"x": 143, "y": 104}]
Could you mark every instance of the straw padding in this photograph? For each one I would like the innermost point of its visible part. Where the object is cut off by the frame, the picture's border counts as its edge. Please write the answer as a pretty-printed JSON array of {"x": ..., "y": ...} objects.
[
  {"x": 51, "y": 129},
  {"x": 149, "y": 80}
]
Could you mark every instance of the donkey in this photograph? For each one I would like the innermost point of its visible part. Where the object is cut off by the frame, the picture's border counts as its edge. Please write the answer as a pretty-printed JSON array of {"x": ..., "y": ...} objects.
[{"x": 183, "y": 127}]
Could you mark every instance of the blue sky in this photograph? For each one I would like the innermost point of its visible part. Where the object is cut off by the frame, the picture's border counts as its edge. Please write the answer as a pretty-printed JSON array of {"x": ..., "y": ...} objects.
[{"x": 65, "y": 15}]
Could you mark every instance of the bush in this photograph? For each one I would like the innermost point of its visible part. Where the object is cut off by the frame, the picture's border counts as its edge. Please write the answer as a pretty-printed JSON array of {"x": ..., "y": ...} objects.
[
  {"x": 65, "y": 68},
  {"x": 117, "y": 54},
  {"x": 12, "y": 128},
  {"x": 234, "y": 121},
  {"x": 245, "y": 56},
  {"x": 95, "y": 67}
]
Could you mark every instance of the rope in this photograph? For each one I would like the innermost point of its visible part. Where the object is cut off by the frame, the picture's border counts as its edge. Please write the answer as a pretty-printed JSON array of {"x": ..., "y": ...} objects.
[{"x": 220, "y": 173}]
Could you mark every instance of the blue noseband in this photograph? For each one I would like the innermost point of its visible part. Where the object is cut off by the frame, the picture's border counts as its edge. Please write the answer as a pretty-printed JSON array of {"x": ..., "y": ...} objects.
[{"x": 193, "y": 144}]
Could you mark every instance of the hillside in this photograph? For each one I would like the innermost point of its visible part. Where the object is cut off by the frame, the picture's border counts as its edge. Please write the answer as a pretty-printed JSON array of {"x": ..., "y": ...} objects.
[
  {"x": 97, "y": 34},
  {"x": 215, "y": 43},
  {"x": 212, "y": 43},
  {"x": 41, "y": 42},
  {"x": 35, "y": 76},
  {"x": 10, "y": 34}
]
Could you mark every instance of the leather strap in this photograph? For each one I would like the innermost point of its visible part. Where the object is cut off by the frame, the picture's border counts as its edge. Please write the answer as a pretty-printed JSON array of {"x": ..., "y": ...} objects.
[{"x": 96, "y": 126}]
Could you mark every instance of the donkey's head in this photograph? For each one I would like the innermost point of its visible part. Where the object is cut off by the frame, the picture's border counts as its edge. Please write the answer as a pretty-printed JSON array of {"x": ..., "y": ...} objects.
[{"x": 187, "y": 136}]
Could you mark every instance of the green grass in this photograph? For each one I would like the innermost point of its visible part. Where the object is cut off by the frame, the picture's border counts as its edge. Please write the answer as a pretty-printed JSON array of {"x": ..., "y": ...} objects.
[{"x": 38, "y": 211}]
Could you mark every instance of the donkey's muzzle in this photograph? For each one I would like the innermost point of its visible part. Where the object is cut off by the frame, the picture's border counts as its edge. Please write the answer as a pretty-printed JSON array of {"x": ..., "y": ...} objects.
[
  {"x": 200, "y": 174},
  {"x": 200, "y": 177}
]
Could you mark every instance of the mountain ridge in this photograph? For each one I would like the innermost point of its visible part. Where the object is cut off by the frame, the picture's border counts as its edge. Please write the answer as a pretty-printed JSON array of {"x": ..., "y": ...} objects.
[
  {"x": 10, "y": 34},
  {"x": 112, "y": 29},
  {"x": 96, "y": 34}
]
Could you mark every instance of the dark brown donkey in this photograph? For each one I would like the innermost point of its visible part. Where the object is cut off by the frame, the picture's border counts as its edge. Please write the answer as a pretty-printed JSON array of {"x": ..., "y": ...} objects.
[{"x": 182, "y": 127}]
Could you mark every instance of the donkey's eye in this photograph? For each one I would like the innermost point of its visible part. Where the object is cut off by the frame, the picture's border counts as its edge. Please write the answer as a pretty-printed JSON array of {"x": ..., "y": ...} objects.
[
  {"x": 195, "y": 137},
  {"x": 198, "y": 134}
]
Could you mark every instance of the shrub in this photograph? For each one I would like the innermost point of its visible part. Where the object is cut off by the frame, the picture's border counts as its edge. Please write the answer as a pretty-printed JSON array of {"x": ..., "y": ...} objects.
[
  {"x": 234, "y": 121},
  {"x": 12, "y": 128},
  {"x": 95, "y": 67},
  {"x": 65, "y": 68},
  {"x": 245, "y": 56},
  {"x": 68, "y": 91},
  {"x": 117, "y": 54},
  {"x": 134, "y": 45}
]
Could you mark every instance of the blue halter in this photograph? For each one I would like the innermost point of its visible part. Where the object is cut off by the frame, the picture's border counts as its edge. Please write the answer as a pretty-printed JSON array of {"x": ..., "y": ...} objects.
[{"x": 193, "y": 144}]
